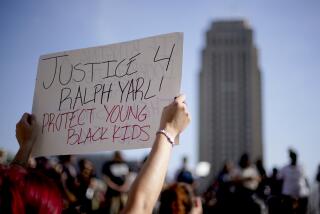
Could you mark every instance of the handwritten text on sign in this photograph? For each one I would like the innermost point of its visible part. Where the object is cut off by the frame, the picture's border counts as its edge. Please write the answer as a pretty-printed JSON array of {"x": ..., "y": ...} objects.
[{"x": 105, "y": 98}]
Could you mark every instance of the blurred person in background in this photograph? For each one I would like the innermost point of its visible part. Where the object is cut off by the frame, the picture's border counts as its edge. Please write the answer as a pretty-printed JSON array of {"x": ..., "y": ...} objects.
[
  {"x": 275, "y": 183},
  {"x": 220, "y": 196},
  {"x": 85, "y": 178},
  {"x": 46, "y": 166},
  {"x": 115, "y": 173},
  {"x": 247, "y": 179},
  {"x": 179, "y": 198},
  {"x": 263, "y": 190},
  {"x": 295, "y": 186},
  {"x": 70, "y": 184},
  {"x": 248, "y": 175},
  {"x": 184, "y": 174}
]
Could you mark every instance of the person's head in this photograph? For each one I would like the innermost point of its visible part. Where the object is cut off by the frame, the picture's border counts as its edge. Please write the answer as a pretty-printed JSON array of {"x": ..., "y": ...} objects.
[
  {"x": 86, "y": 168},
  {"x": 64, "y": 159},
  {"x": 185, "y": 176},
  {"x": 177, "y": 198},
  {"x": 226, "y": 168},
  {"x": 318, "y": 174},
  {"x": 274, "y": 172},
  {"x": 293, "y": 157},
  {"x": 244, "y": 161},
  {"x": 42, "y": 163},
  {"x": 260, "y": 168},
  {"x": 27, "y": 191},
  {"x": 117, "y": 156}
]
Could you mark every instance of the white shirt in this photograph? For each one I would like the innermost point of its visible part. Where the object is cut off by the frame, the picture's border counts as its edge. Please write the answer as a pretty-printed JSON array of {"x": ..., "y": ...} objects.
[
  {"x": 248, "y": 172},
  {"x": 294, "y": 181}
]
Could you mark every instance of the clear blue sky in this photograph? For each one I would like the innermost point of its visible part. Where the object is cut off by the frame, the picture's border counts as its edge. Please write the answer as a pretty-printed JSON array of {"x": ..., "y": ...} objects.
[{"x": 287, "y": 34}]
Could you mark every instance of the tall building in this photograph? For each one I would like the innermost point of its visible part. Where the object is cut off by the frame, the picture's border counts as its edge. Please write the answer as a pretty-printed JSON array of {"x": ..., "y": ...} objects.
[{"x": 230, "y": 96}]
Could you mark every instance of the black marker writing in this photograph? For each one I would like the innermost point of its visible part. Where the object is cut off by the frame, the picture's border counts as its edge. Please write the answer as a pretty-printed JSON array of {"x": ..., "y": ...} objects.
[
  {"x": 166, "y": 58},
  {"x": 55, "y": 69}
]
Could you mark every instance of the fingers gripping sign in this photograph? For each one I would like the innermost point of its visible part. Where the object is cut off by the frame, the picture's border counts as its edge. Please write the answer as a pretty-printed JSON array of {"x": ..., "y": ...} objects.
[
  {"x": 26, "y": 130},
  {"x": 175, "y": 117}
]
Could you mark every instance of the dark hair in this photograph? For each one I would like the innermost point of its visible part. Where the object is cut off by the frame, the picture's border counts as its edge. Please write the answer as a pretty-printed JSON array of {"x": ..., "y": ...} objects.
[
  {"x": 244, "y": 161},
  {"x": 293, "y": 156},
  {"x": 318, "y": 174},
  {"x": 64, "y": 158},
  {"x": 82, "y": 164},
  {"x": 185, "y": 176},
  {"x": 27, "y": 191},
  {"x": 117, "y": 156},
  {"x": 176, "y": 198}
]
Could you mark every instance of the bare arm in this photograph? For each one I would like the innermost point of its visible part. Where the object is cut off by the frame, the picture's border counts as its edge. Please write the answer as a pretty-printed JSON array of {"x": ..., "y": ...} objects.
[
  {"x": 146, "y": 188},
  {"x": 26, "y": 136}
]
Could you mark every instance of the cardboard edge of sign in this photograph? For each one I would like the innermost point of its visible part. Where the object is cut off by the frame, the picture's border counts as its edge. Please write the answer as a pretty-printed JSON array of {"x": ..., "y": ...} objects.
[{"x": 179, "y": 34}]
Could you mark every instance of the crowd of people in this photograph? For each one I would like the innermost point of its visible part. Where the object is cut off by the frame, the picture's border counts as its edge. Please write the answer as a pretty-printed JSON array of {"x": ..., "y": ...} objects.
[
  {"x": 66, "y": 184},
  {"x": 246, "y": 187}
]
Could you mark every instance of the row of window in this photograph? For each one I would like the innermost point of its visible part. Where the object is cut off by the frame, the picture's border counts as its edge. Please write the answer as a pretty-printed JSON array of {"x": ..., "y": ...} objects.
[
  {"x": 223, "y": 41},
  {"x": 229, "y": 61}
]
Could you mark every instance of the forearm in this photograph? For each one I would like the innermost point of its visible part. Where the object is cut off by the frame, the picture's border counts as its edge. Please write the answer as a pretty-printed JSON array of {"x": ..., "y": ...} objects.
[
  {"x": 147, "y": 187},
  {"x": 23, "y": 155},
  {"x": 113, "y": 185}
]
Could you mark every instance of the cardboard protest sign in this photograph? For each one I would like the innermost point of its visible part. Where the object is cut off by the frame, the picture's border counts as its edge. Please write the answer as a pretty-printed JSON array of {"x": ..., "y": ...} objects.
[{"x": 105, "y": 98}]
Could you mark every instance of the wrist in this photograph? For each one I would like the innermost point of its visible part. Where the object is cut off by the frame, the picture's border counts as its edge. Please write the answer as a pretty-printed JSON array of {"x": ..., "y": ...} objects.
[
  {"x": 26, "y": 146},
  {"x": 162, "y": 141},
  {"x": 22, "y": 156},
  {"x": 172, "y": 132},
  {"x": 168, "y": 137}
]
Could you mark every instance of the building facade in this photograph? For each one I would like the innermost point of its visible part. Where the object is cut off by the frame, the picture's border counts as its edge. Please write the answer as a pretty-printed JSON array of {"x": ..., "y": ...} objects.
[{"x": 230, "y": 96}]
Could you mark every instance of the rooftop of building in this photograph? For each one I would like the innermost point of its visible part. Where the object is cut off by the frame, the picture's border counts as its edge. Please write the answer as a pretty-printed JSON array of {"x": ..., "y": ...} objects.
[{"x": 230, "y": 24}]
